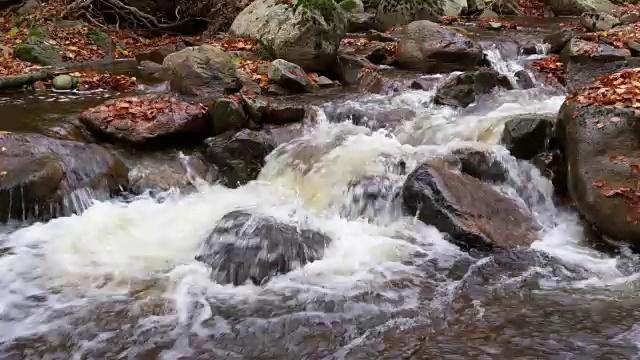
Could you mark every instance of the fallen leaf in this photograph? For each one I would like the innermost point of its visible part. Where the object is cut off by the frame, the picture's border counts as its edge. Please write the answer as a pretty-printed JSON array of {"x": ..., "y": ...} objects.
[{"x": 598, "y": 183}]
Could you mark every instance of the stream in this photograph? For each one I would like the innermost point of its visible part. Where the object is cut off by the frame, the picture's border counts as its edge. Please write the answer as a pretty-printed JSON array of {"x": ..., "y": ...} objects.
[{"x": 119, "y": 280}]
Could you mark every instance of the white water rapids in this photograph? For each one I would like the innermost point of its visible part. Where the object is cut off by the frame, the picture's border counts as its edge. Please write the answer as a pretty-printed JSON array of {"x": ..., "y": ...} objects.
[{"x": 56, "y": 276}]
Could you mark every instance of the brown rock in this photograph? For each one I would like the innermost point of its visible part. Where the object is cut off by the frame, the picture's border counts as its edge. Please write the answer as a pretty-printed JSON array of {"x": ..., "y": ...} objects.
[
  {"x": 145, "y": 119},
  {"x": 471, "y": 212}
]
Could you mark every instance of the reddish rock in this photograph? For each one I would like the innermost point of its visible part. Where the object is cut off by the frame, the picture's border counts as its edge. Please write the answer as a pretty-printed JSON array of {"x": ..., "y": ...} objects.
[{"x": 148, "y": 118}]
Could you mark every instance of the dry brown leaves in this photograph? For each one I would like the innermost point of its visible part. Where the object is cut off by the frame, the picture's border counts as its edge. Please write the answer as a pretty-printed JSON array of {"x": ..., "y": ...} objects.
[
  {"x": 235, "y": 44},
  {"x": 145, "y": 108},
  {"x": 630, "y": 193},
  {"x": 618, "y": 90},
  {"x": 551, "y": 67},
  {"x": 106, "y": 81},
  {"x": 532, "y": 7},
  {"x": 252, "y": 67},
  {"x": 619, "y": 36}
]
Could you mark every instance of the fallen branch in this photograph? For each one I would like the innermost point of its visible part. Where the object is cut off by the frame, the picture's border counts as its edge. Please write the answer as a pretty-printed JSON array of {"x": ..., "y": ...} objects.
[{"x": 25, "y": 79}]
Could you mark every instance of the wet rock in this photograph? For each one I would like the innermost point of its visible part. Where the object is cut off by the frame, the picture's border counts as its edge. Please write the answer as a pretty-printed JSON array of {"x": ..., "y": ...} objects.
[
  {"x": 238, "y": 156},
  {"x": 307, "y": 34},
  {"x": 481, "y": 164},
  {"x": 599, "y": 154},
  {"x": 470, "y": 211},
  {"x": 227, "y": 114},
  {"x": 558, "y": 40},
  {"x": 280, "y": 134},
  {"x": 421, "y": 84},
  {"x": 250, "y": 247},
  {"x": 64, "y": 82},
  {"x": 594, "y": 22},
  {"x": 282, "y": 112},
  {"x": 529, "y": 48},
  {"x": 462, "y": 90},
  {"x": 202, "y": 70},
  {"x": 158, "y": 54},
  {"x": 585, "y": 61},
  {"x": 552, "y": 165},
  {"x": 578, "y": 7},
  {"x": 373, "y": 35},
  {"x": 160, "y": 172},
  {"x": 371, "y": 197},
  {"x": 527, "y": 135},
  {"x": 38, "y": 52},
  {"x": 524, "y": 80},
  {"x": 289, "y": 76},
  {"x": 119, "y": 119},
  {"x": 578, "y": 50},
  {"x": 347, "y": 67},
  {"x": 42, "y": 178},
  {"x": 427, "y": 47},
  {"x": 372, "y": 118}
]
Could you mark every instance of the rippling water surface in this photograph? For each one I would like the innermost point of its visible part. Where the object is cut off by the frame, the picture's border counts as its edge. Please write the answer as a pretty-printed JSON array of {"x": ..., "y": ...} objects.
[{"x": 120, "y": 281}]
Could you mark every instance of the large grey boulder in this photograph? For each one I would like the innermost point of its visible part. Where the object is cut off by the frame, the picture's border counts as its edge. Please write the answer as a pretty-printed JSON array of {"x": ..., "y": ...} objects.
[
  {"x": 602, "y": 151},
  {"x": 428, "y": 47},
  {"x": 202, "y": 70},
  {"x": 577, "y": 7},
  {"x": 302, "y": 32}
]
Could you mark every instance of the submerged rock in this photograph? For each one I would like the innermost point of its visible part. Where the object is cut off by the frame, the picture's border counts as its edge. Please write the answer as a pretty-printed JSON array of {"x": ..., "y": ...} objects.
[
  {"x": 147, "y": 119},
  {"x": 249, "y": 247},
  {"x": 428, "y": 47},
  {"x": 305, "y": 33},
  {"x": 239, "y": 156},
  {"x": 372, "y": 197},
  {"x": 470, "y": 211},
  {"x": 527, "y": 135},
  {"x": 38, "y": 175},
  {"x": 462, "y": 90}
]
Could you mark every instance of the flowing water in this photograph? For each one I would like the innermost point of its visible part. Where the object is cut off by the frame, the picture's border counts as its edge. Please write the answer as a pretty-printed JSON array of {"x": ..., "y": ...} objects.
[{"x": 119, "y": 281}]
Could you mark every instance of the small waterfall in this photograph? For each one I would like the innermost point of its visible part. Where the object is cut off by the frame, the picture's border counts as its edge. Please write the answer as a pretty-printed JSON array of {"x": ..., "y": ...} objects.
[
  {"x": 504, "y": 66},
  {"x": 542, "y": 49}
]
